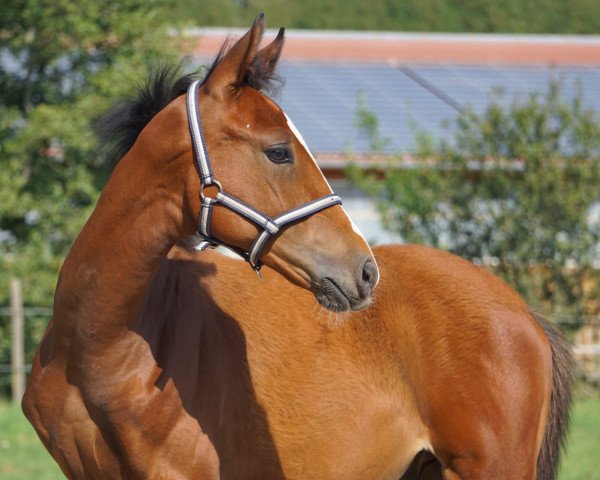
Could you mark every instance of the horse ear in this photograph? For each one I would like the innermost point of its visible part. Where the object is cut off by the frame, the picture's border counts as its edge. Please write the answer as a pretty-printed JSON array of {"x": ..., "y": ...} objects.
[
  {"x": 230, "y": 73},
  {"x": 266, "y": 59}
]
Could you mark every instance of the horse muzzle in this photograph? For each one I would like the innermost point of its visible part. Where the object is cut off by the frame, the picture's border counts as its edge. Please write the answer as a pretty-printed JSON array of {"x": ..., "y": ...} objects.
[{"x": 340, "y": 293}]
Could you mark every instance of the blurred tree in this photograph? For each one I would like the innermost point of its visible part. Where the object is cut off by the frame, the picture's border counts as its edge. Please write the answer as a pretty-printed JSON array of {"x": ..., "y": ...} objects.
[
  {"x": 61, "y": 63},
  {"x": 498, "y": 16},
  {"x": 515, "y": 189}
]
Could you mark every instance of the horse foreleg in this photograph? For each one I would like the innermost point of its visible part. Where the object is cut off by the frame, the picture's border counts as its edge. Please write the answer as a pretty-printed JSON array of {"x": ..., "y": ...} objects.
[
  {"x": 477, "y": 471},
  {"x": 489, "y": 464},
  {"x": 484, "y": 449},
  {"x": 427, "y": 467}
]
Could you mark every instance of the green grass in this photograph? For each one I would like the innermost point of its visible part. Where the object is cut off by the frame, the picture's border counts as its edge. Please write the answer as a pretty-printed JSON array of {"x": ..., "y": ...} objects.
[
  {"x": 582, "y": 461},
  {"x": 22, "y": 456}
]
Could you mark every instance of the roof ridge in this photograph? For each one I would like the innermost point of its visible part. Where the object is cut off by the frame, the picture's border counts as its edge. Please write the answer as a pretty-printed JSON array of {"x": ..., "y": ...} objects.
[{"x": 395, "y": 36}]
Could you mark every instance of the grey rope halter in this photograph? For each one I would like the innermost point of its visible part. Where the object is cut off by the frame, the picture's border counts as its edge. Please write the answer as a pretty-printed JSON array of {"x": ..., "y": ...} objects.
[{"x": 270, "y": 225}]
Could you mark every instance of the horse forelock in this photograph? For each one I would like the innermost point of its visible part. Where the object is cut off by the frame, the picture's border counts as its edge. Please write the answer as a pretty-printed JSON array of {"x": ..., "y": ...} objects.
[{"x": 121, "y": 125}]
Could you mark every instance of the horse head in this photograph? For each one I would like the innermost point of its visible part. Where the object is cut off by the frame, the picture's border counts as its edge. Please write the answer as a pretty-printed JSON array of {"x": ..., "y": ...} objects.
[{"x": 260, "y": 167}]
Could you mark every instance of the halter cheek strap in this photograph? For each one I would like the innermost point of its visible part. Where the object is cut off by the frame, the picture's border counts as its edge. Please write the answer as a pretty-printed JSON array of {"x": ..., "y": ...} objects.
[{"x": 270, "y": 225}]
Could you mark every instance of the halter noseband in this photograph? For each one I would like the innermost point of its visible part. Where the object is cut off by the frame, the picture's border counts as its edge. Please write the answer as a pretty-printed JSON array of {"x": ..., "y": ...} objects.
[{"x": 270, "y": 225}]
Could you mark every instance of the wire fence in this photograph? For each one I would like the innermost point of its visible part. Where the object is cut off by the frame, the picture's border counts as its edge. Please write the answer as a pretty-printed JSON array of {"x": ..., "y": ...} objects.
[{"x": 28, "y": 311}]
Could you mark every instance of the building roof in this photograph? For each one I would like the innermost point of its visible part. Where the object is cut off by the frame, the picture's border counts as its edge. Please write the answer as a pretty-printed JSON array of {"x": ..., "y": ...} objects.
[
  {"x": 412, "y": 82},
  {"x": 394, "y": 47}
]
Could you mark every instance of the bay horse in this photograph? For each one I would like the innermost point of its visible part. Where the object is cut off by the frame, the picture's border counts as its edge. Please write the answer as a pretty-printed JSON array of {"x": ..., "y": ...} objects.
[
  {"x": 447, "y": 375},
  {"x": 223, "y": 161},
  {"x": 187, "y": 367}
]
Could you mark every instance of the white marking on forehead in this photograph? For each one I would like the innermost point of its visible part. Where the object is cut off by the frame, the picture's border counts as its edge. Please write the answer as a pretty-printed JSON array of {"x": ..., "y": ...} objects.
[
  {"x": 303, "y": 143},
  {"x": 298, "y": 134}
]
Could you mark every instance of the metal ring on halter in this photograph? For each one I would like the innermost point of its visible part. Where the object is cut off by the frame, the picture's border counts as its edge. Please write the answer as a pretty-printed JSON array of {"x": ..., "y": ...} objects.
[{"x": 203, "y": 187}]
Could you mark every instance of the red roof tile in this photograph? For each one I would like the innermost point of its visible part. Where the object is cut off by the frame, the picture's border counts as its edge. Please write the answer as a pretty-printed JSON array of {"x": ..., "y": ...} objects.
[{"x": 420, "y": 47}]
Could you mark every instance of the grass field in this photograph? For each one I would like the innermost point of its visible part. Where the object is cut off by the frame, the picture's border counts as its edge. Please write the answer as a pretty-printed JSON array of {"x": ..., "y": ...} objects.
[
  {"x": 22, "y": 456},
  {"x": 582, "y": 461}
]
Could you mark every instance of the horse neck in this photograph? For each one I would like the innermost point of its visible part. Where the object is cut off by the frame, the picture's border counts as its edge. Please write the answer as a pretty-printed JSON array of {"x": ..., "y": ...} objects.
[{"x": 139, "y": 216}]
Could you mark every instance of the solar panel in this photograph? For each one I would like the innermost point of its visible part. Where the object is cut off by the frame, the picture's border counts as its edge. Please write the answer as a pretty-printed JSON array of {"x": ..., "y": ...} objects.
[
  {"x": 330, "y": 93},
  {"x": 322, "y": 98},
  {"x": 473, "y": 85}
]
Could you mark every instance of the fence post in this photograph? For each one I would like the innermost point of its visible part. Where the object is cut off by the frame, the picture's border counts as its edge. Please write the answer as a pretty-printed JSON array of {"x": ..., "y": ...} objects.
[{"x": 17, "y": 347}]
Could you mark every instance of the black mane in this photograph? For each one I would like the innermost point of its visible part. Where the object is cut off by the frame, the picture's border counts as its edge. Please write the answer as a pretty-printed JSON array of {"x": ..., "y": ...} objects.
[{"x": 120, "y": 126}]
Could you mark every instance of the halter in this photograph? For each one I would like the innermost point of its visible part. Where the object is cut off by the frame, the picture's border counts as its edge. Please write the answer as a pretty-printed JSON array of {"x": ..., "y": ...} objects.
[{"x": 270, "y": 225}]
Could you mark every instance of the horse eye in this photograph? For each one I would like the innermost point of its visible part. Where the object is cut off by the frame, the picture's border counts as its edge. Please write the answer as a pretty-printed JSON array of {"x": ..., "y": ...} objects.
[{"x": 279, "y": 155}]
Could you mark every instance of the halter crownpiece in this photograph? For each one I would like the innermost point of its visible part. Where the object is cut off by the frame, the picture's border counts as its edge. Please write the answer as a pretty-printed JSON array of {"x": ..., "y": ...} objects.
[{"x": 270, "y": 225}]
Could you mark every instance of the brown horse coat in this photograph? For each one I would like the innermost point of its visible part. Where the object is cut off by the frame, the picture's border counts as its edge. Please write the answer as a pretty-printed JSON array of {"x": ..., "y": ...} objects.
[
  {"x": 448, "y": 359},
  {"x": 260, "y": 382}
]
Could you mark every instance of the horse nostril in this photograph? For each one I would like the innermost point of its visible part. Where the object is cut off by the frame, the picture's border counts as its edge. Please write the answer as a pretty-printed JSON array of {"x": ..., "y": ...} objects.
[
  {"x": 369, "y": 278},
  {"x": 366, "y": 275}
]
